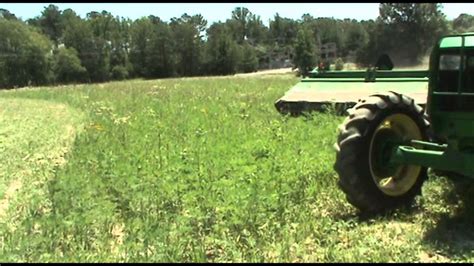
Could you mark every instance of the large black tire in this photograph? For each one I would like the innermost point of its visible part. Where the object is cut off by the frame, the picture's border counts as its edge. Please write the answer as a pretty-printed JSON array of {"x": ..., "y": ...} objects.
[{"x": 353, "y": 148}]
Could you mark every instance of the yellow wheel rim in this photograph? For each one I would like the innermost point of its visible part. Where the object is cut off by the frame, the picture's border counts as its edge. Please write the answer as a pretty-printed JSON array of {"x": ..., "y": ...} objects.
[{"x": 394, "y": 182}]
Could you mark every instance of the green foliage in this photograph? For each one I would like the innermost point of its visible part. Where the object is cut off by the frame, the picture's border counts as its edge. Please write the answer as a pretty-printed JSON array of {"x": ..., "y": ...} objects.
[
  {"x": 99, "y": 41},
  {"x": 98, "y": 60},
  {"x": 248, "y": 59},
  {"x": 140, "y": 30},
  {"x": 356, "y": 38},
  {"x": 328, "y": 30},
  {"x": 24, "y": 55},
  {"x": 119, "y": 73},
  {"x": 222, "y": 52},
  {"x": 283, "y": 31},
  {"x": 78, "y": 35},
  {"x": 5, "y": 14},
  {"x": 150, "y": 48},
  {"x": 67, "y": 66},
  {"x": 416, "y": 27},
  {"x": 160, "y": 58},
  {"x": 238, "y": 24},
  {"x": 304, "y": 51},
  {"x": 368, "y": 54},
  {"x": 188, "y": 44},
  {"x": 257, "y": 32},
  {"x": 261, "y": 52},
  {"x": 463, "y": 23},
  {"x": 50, "y": 23},
  {"x": 119, "y": 41}
]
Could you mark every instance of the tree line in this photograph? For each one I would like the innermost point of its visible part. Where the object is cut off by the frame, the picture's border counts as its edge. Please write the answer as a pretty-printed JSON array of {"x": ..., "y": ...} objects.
[{"x": 60, "y": 47}]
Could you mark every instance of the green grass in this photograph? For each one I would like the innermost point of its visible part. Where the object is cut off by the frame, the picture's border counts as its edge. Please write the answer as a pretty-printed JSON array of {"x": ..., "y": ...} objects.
[{"x": 205, "y": 169}]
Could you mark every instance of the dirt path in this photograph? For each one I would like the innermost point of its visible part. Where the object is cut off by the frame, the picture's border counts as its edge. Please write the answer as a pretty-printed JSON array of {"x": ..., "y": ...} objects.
[
  {"x": 35, "y": 135},
  {"x": 347, "y": 66},
  {"x": 13, "y": 187},
  {"x": 267, "y": 72}
]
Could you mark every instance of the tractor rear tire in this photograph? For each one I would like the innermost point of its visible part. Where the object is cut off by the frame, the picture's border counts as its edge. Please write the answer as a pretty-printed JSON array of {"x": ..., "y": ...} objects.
[{"x": 354, "y": 159}]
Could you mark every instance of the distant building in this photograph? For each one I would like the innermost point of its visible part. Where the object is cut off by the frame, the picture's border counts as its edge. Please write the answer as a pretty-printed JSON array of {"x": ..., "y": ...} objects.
[
  {"x": 279, "y": 58},
  {"x": 328, "y": 51}
]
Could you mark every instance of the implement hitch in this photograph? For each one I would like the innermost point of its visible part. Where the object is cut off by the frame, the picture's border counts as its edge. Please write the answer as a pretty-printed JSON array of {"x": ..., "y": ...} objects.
[{"x": 437, "y": 156}]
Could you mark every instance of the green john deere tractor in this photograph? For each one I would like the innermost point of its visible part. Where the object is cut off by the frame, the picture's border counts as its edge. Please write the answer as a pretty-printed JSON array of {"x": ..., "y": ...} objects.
[
  {"x": 413, "y": 120},
  {"x": 388, "y": 141}
]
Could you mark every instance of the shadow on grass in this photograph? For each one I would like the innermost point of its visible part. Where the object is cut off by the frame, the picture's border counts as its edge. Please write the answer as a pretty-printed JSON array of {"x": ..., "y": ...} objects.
[
  {"x": 454, "y": 235},
  {"x": 399, "y": 214},
  {"x": 451, "y": 235}
]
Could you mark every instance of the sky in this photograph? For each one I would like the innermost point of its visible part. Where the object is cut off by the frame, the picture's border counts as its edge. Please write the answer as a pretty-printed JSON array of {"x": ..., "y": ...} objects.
[{"x": 214, "y": 12}]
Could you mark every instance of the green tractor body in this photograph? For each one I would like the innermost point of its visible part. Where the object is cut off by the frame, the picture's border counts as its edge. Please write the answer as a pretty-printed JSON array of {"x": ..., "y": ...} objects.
[
  {"x": 450, "y": 108},
  {"x": 412, "y": 121}
]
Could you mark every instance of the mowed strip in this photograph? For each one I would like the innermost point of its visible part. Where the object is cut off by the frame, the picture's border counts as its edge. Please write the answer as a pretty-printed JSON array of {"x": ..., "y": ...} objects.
[{"x": 34, "y": 137}]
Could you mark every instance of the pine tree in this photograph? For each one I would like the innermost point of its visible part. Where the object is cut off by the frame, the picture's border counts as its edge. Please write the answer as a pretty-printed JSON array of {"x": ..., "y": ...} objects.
[{"x": 304, "y": 51}]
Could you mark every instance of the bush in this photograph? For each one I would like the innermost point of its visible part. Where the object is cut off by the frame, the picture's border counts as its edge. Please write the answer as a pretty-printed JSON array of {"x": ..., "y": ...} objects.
[
  {"x": 67, "y": 66},
  {"x": 25, "y": 55},
  {"x": 304, "y": 51},
  {"x": 339, "y": 64},
  {"x": 119, "y": 73},
  {"x": 248, "y": 59}
]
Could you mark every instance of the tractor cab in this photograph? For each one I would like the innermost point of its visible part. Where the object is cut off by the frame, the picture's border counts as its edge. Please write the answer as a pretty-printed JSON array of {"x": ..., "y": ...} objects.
[{"x": 451, "y": 87}]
